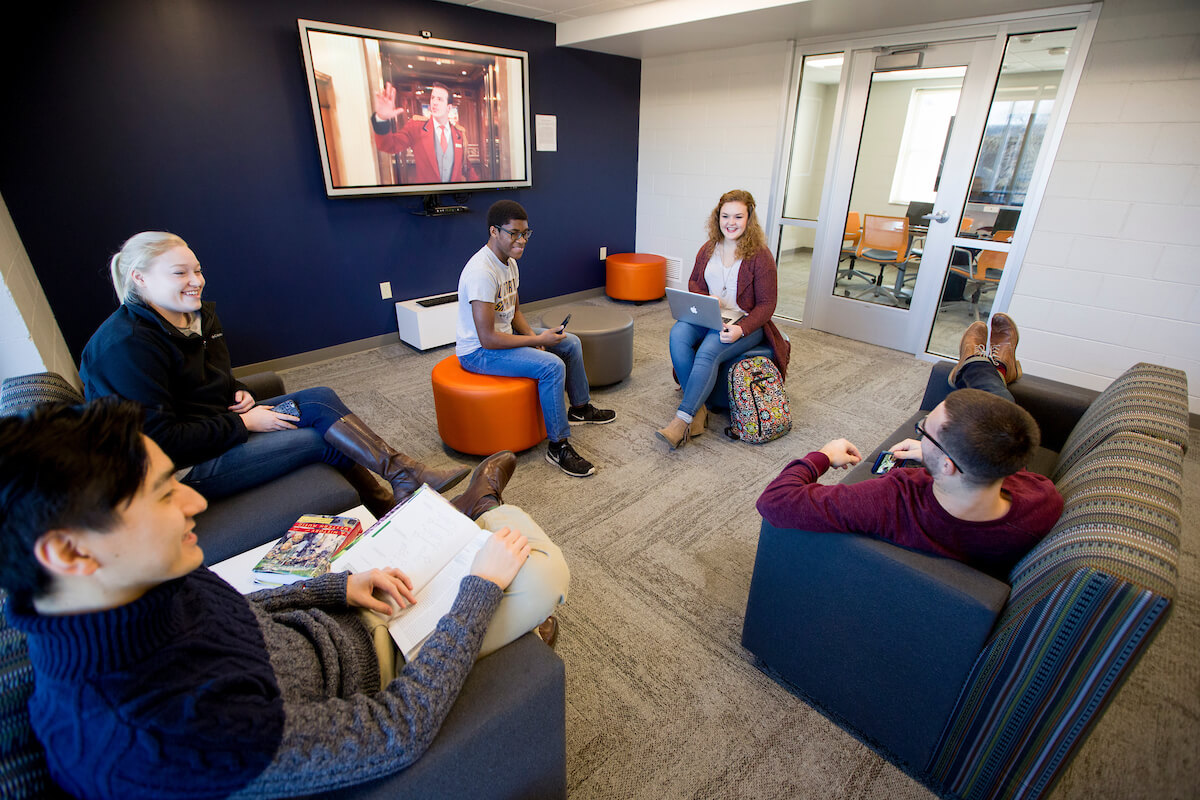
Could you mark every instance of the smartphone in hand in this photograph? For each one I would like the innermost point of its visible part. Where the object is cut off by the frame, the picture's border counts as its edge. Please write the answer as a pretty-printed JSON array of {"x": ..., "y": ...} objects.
[
  {"x": 563, "y": 326},
  {"x": 288, "y": 407},
  {"x": 888, "y": 461}
]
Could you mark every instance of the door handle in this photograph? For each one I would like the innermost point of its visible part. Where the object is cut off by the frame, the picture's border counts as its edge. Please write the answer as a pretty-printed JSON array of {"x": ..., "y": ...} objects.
[{"x": 940, "y": 216}]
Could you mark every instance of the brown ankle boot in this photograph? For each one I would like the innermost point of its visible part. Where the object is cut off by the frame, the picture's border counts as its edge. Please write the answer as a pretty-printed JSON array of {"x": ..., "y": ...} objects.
[
  {"x": 675, "y": 434},
  {"x": 548, "y": 631},
  {"x": 351, "y": 437},
  {"x": 1004, "y": 345},
  {"x": 973, "y": 345},
  {"x": 699, "y": 421},
  {"x": 488, "y": 481},
  {"x": 374, "y": 496}
]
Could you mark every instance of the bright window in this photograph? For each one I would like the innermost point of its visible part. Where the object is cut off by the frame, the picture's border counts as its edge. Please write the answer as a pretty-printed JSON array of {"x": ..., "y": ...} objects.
[
  {"x": 926, "y": 130},
  {"x": 1011, "y": 142}
]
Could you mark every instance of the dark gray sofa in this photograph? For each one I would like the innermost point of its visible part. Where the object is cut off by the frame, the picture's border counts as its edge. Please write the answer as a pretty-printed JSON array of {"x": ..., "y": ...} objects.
[
  {"x": 232, "y": 524},
  {"x": 505, "y": 737},
  {"x": 984, "y": 688}
]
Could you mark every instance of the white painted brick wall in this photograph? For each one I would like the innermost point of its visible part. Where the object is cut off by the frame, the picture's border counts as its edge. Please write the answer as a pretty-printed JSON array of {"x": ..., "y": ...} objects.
[
  {"x": 709, "y": 123},
  {"x": 1112, "y": 273}
]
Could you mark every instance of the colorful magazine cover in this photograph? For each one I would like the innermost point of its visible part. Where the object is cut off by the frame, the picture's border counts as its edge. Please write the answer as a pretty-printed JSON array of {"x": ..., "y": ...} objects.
[{"x": 307, "y": 549}]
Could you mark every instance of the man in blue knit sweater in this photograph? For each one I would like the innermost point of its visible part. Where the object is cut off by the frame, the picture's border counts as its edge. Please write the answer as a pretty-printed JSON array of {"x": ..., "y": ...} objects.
[{"x": 155, "y": 678}]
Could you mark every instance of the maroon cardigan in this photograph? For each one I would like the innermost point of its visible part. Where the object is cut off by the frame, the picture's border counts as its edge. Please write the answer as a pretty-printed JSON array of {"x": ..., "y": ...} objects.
[{"x": 757, "y": 293}]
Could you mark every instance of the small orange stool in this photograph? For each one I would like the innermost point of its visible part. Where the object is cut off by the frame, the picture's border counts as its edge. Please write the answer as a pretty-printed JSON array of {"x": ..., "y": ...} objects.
[
  {"x": 635, "y": 276},
  {"x": 483, "y": 414}
]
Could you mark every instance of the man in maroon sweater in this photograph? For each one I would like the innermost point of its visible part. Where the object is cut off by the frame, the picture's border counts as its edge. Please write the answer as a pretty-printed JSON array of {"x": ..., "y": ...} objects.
[{"x": 972, "y": 500}]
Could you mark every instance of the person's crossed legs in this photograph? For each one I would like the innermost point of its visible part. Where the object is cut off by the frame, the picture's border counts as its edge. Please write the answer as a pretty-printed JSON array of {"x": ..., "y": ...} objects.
[{"x": 989, "y": 368}]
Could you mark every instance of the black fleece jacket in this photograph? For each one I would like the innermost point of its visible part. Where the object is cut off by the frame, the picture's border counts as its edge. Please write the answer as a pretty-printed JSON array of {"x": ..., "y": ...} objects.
[{"x": 185, "y": 383}]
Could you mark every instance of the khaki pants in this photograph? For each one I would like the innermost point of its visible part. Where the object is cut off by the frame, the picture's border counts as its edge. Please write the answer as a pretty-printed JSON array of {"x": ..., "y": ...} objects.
[{"x": 539, "y": 587}]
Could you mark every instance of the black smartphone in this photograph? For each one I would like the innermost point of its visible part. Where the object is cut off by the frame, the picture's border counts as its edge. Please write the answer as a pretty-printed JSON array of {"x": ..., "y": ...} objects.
[
  {"x": 563, "y": 327},
  {"x": 288, "y": 407},
  {"x": 888, "y": 461}
]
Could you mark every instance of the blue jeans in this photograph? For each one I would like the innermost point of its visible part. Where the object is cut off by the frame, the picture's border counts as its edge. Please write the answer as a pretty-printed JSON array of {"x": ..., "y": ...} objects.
[
  {"x": 555, "y": 368},
  {"x": 980, "y": 373},
  {"x": 697, "y": 355},
  {"x": 264, "y": 457}
]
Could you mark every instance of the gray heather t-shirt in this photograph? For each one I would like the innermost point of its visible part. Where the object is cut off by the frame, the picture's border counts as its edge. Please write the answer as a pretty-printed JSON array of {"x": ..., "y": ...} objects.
[{"x": 485, "y": 277}]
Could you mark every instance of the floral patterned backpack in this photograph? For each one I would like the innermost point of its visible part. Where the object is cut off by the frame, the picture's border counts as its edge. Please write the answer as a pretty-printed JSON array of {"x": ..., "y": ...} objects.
[{"x": 758, "y": 406}]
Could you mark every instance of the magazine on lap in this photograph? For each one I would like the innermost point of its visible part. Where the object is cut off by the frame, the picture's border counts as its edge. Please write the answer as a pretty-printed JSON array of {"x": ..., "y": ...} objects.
[{"x": 434, "y": 544}]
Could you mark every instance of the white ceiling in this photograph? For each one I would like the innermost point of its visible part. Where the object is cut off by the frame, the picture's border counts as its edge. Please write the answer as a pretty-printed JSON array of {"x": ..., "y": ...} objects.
[
  {"x": 551, "y": 10},
  {"x": 648, "y": 28}
]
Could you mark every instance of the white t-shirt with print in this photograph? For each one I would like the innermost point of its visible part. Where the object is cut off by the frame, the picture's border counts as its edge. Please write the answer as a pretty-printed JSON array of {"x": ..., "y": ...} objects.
[{"x": 485, "y": 277}]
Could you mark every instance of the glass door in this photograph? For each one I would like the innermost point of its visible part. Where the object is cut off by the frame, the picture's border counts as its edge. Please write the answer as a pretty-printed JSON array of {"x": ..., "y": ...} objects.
[
  {"x": 916, "y": 113},
  {"x": 812, "y": 129},
  {"x": 939, "y": 154},
  {"x": 1026, "y": 95}
]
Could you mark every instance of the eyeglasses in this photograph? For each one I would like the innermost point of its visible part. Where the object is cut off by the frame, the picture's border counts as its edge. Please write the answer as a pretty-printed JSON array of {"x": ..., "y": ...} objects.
[
  {"x": 921, "y": 432},
  {"x": 517, "y": 236}
]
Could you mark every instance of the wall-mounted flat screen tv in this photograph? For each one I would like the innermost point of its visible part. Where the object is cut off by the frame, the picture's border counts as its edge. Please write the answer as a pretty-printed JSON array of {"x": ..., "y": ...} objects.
[{"x": 399, "y": 114}]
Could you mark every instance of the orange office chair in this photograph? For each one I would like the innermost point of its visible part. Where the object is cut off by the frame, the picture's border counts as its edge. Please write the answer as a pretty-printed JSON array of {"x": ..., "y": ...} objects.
[
  {"x": 850, "y": 239},
  {"x": 918, "y": 249},
  {"x": 983, "y": 272},
  {"x": 852, "y": 233},
  {"x": 885, "y": 242}
]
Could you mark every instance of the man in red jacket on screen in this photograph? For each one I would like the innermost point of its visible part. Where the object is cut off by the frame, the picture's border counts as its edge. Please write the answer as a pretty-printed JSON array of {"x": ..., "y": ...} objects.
[
  {"x": 971, "y": 500},
  {"x": 438, "y": 145}
]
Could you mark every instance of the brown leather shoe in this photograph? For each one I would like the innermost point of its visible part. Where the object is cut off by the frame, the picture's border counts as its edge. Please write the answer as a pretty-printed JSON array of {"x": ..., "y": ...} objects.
[
  {"x": 548, "y": 631},
  {"x": 973, "y": 345},
  {"x": 1004, "y": 346},
  {"x": 487, "y": 482},
  {"x": 699, "y": 423}
]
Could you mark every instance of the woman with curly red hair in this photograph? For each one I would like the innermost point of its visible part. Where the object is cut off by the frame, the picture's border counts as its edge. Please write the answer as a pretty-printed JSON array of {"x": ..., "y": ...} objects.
[{"x": 736, "y": 267}]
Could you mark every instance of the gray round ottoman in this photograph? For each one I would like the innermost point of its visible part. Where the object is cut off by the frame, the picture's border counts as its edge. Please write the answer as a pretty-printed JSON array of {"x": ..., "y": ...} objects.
[{"x": 607, "y": 338}]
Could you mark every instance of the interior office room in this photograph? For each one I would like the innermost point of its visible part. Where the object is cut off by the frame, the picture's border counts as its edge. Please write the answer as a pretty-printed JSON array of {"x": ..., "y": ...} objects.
[{"x": 194, "y": 117}]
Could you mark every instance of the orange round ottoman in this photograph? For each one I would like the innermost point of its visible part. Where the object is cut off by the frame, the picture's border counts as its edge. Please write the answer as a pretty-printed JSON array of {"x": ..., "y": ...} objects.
[
  {"x": 483, "y": 414},
  {"x": 635, "y": 276}
]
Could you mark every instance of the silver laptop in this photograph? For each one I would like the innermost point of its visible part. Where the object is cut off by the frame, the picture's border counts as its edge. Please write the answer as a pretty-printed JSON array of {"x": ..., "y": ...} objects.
[{"x": 699, "y": 309}]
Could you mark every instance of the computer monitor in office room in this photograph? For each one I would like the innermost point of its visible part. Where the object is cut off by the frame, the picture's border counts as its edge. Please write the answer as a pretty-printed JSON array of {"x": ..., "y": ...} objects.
[
  {"x": 916, "y": 213},
  {"x": 1006, "y": 220}
]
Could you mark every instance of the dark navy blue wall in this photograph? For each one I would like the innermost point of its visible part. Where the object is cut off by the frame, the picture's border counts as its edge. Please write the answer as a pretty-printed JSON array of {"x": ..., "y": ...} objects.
[{"x": 193, "y": 116}]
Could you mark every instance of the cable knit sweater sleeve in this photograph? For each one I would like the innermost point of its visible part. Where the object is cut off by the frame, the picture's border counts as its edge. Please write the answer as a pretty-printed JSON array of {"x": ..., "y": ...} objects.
[
  {"x": 327, "y": 591},
  {"x": 331, "y": 743}
]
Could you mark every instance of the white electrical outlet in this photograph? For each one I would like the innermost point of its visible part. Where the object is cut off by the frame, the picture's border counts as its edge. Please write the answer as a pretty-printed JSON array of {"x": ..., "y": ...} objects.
[
  {"x": 603, "y": 253},
  {"x": 385, "y": 290}
]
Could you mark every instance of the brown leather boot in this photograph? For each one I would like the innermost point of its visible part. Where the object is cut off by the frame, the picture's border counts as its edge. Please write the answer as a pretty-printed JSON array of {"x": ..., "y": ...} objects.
[
  {"x": 351, "y": 437},
  {"x": 675, "y": 434},
  {"x": 1004, "y": 346},
  {"x": 699, "y": 423},
  {"x": 375, "y": 497},
  {"x": 973, "y": 345},
  {"x": 487, "y": 482}
]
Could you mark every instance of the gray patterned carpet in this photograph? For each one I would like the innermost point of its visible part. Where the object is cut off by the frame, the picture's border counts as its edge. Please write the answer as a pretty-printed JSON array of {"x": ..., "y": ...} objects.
[{"x": 662, "y": 701}]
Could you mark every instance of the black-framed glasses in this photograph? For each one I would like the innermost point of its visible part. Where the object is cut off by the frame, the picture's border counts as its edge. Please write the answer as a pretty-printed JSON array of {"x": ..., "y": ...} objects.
[
  {"x": 921, "y": 432},
  {"x": 517, "y": 236}
]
